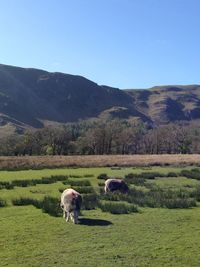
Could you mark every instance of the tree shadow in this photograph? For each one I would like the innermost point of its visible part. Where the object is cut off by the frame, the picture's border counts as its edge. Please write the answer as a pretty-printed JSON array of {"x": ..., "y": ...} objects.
[{"x": 94, "y": 222}]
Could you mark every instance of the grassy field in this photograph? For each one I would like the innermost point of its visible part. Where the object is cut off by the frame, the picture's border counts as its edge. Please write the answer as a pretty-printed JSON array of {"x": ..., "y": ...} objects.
[
  {"x": 151, "y": 237},
  {"x": 40, "y": 162}
]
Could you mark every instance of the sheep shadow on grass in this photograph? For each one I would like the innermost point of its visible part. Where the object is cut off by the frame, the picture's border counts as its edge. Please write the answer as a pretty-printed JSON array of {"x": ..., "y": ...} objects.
[{"x": 94, "y": 222}]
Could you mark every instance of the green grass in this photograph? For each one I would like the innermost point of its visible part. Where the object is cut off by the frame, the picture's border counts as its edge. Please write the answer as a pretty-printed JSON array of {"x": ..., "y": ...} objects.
[
  {"x": 31, "y": 174},
  {"x": 153, "y": 237},
  {"x": 176, "y": 182}
]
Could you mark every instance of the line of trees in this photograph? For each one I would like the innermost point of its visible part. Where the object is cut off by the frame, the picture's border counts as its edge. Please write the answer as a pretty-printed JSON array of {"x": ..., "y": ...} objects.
[{"x": 97, "y": 137}]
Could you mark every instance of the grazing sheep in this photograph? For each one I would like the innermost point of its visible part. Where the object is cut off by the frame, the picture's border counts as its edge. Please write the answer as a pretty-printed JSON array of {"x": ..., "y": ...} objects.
[
  {"x": 115, "y": 184},
  {"x": 71, "y": 204}
]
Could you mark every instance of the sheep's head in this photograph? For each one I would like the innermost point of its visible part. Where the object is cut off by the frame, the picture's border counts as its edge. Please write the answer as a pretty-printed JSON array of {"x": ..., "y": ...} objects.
[{"x": 124, "y": 187}]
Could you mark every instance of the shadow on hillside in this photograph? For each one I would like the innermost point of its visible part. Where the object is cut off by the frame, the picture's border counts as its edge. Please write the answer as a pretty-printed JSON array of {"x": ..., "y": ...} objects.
[{"x": 94, "y": 222}]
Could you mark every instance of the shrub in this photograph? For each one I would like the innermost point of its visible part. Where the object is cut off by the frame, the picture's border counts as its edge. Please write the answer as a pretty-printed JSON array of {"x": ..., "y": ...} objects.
[
  {"x": 22, "y": 183},
  {"x": 61, "y": 190},
  {"x": 145, "y": 168},
  {"x": 9, "y": 186},
  {"x": 117, "y": 207},
  {"x": 195, "y": 170},
  {"x": 101, "y": 184},
  {"x": 193, "y": 174},
  {"x": 196, "y": 193},
  {"x": 3, "y": 203},
  {"x": 103, "y": 176},
  {"x": 172, "y": 174},
  {"x": 114, "y": 196},
  {"x": 155, "y": 197},
  {"x": 75, "y": 176},
  {"x": 31, "y": 182},
  {"x": 179, "y": 203},
  {"x": 134, "y": 196},
  {"x": 89, "y": 201},
  {"x": 101, "y": 191},
  {"x": 59, "y": 177},
  {"x": 23, "y": 201},
  {"x": 132, "y": 178},
  {"x": 6, "y": 185},
  {"x": 150, "y": 175},
  {"x": 169, "y": 199},
  {"x": 77, "y": 183},
  {"x": 51, "y": 205},
  {"x": 80, "y": 189},
  {"x": 88, "y": 175},
  {"x": 54, "y": 179},
  {"x": 84, "y": 189}
]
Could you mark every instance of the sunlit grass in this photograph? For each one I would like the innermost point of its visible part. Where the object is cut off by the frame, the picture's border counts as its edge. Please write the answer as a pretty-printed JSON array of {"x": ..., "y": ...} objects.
[
  {"x": 150, "y": 237},
  {"x": 154, "y": 237},
  {"x": 176, "y": 182},
  {"x": 31, "y": 174}
]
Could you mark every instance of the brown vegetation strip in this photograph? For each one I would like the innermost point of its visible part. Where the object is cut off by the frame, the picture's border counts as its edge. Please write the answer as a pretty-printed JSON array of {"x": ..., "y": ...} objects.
[{"x": 26, "y": 162}]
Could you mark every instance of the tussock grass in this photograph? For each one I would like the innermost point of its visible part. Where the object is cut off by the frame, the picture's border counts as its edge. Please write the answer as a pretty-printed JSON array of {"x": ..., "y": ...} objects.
[
  {"x": 195, "y": 193},
  {"x": 117, "y": 207},
  {"x": 145, "y": 175},
  {"x": 50, "y": 205},
  {"x": 77, "y": 183},
  {"x": 172, "y": 174},
  {"x": 3, "y": 203},
  {"x": 84, "y": 189},
  {"x": 155, "y": 198},
  {"x": 88, "y": 175},
  {"x": 192, "y": 174},
  {"x": 140, "y": 179},
  {"x": 31, "y": 182},
  {"x": 90, "y": 201},
  {"x": 24, "y": 201},
  {"x": 102, "y": 236},
  {"x": 101, "y": 184},
  {"x": 75, "y": 176},
  {"x": 103, "y": 176},
  {"x": 6, "y": 185}
]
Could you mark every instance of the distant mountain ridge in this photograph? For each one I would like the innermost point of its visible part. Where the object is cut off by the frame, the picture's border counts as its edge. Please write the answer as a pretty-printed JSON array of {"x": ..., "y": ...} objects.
[
  {"x": 163, "y": 104},
  {"x": 31, "y": 97}
]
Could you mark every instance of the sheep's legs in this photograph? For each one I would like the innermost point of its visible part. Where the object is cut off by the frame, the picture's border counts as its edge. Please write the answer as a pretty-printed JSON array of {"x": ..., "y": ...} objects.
[
  {"x": 66, "y": 215},
  {"x": 71, "y": 215}
]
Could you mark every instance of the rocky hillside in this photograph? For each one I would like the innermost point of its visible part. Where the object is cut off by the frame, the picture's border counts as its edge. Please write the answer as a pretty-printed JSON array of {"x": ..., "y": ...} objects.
[
  {"x": 163, "y": 104},
  {"x": 34, "y": 98}
]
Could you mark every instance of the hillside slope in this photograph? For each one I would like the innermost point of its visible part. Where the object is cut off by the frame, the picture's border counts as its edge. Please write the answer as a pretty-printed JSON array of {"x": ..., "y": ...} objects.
[
  {"x": 163, "y": 104},
  {"x": 31, "y": 97},
  {"x": 34, "y": 98}
]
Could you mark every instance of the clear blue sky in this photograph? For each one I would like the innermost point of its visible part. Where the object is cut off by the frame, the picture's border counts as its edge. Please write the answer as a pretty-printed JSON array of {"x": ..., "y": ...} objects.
[{"x": 121, "y": 43}]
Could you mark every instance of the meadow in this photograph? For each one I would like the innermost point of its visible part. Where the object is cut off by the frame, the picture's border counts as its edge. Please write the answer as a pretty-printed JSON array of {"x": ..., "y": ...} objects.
[
  {"x": 158, "y": 224},
  {"x": 41, "y": 162}
]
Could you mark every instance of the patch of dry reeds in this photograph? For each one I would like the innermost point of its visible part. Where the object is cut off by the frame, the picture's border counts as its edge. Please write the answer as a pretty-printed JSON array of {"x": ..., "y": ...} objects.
[{"x": 39, "y": 162}]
